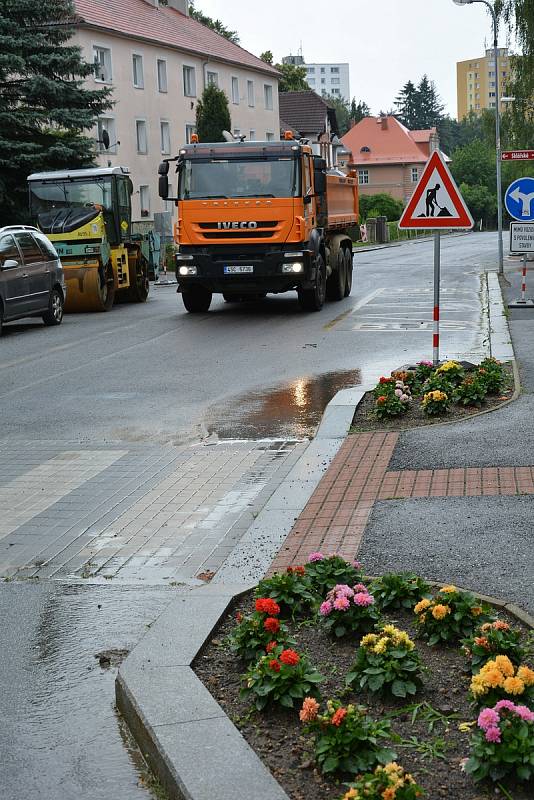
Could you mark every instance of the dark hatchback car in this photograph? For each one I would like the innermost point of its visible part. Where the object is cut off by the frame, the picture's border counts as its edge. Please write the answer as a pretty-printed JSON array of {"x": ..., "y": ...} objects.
[{"x": 32, "y": 283}]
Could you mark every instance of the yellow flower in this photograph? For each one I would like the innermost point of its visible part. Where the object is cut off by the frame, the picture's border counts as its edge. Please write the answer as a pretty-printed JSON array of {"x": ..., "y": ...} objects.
[
  {"x": 422, "y": 605},
  {"x": 476, "y": 611},
  {"x": 448, "y": 589},
  {"x": 465, "y": 727},
  {"x": 439, "y": 611},
  {"x": 526, "y": 674},
  {"x": 392, "y": 768},
  {"x": 381, "y": 645},
  {"x": 478, "y": 685},
  {"x": 504, "y": 664},
  {"x": 391, "y": 630},
  {"x": 352, "y": 794},
  {"x": 514, "y": 686},
  {"x": 448, "y": 365},
  {"x": 493, "y": 677},
  {"x": 370, "y": 638}
]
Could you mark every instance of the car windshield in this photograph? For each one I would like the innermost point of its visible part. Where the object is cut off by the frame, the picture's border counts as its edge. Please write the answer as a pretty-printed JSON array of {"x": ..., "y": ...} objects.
[
  {"x": 220, "y": 178},
  {"x": 47, "y": 195}
]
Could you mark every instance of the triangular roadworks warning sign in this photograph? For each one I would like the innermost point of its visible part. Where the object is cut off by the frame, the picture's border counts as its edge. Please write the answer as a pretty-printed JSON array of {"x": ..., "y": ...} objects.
[{"x": 436, "y": 202}]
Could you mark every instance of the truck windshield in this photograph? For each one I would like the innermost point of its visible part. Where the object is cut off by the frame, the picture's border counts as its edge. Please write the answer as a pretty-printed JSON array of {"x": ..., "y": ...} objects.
[
  {"x": 48, "y": 195},
  {"x": 215, "y": 178}
]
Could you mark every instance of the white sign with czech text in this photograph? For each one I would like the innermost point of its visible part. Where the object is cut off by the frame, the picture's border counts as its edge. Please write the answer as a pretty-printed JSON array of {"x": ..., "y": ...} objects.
[{"x": 522, "y": 237}]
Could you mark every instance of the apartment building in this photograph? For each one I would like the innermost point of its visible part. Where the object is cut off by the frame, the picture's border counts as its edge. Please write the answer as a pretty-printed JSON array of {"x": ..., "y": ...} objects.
[
  {"x": 477, "y": 82},
  {"x": 325, "y": 79},
  {"x": 157, "y": 60}
]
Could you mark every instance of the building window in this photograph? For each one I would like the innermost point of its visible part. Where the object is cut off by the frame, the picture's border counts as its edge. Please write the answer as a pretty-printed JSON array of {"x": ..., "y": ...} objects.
[
  {"x": 144, "y": 200},
  {"x": 335, "y": 81},
  {"x": 140, "y": 135},
  {"x": 492, "y": 94},
  {"x": 335, "y": 91},
  {"x": 311, "y": 70},
  {"x": 323, "y": 80},
  {"x": 269, "y": 136},
  {"x": 235, "y": 91},
  {"x": 190, "y": 82},
  {"x": 250, "y": 93},
  {"x": 107, "y": 124},
  {"x": 162, "y": 75},
  {"x": 363, "y": 176},
  {"x": 415, "y": 174},
  {"x": 334, "y": 70},
  {"x": 165, "y": 129},
  {"x": 137, "y": 65},
  {"x": 322, "y": 70},
  {"x": 102, "y": 62},
  {"x": 268, "y": 96},
  {"x": 212, "y": 78},
  {"x": 189, "y": 131},
  {"x": 252, "y": 136}
]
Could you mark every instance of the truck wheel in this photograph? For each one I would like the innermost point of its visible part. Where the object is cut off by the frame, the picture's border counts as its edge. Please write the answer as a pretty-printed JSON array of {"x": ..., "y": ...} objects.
[
  {"x": 336, "y": 283},
  {"x": 231, "y": 298},
  {"x": 348, "y": 271},
  {"x": 196, "y": 299},
  {"x": 313, "y": 299}
]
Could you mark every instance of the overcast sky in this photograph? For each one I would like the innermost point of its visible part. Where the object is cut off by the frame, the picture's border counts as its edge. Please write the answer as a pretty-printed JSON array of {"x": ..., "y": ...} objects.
[{"x": 386, "y": 42}]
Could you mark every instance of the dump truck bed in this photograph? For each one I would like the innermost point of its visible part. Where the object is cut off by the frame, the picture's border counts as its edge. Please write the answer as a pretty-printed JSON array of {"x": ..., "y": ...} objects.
[{"x": 342, "y": 201}]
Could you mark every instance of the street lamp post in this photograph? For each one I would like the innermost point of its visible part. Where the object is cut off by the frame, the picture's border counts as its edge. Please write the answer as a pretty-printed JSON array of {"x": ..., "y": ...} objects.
[{"x": 497, "y": 121}]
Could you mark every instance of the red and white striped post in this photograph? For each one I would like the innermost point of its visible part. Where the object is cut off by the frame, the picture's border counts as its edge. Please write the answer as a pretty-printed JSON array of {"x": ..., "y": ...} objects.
[
  {"x": 437, "y": 267},
  {"x": 524, "y": 280}
]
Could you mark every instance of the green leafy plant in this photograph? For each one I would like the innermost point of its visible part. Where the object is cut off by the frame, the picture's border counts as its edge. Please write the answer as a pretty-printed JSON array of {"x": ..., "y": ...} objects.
[
  {"x": 290, "y": 589},
  {"x": 281, "y": 676},
  {"x": 491, "y": 639},
  {"x": 348, "y": 610},
  {"x": 391, "y": 781},
  {"x": 255, "y": 631},
  {"x": 471, "y": 391},
  {"x": 435, "y": 402},
  {"x": 324, "y": 572},
  {"x": 498, "y": 679},
  {"x": 389, "y": 406},
  {"x": 423, "y": 371},
  {"x": 491, "y": 372},
  {"x": 346, "y": 738},
  {"x": 450, "y": 615},
  {"x": 503, "y": 744},
  {"x": 427, "y": 713},
  {"x": 452, "y": 371},
  {"x": 438, "y": 382},
  {"x": 385, "y": 386},
  {"x": 386, "y": 662},
  {"x": 398, "y": 590}
]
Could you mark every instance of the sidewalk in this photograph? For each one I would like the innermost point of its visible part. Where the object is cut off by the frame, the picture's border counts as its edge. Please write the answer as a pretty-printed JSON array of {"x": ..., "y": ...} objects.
[{"x": 452, "y": 502}]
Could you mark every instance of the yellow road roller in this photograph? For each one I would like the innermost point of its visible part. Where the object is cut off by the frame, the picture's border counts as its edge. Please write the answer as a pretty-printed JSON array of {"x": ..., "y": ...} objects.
[{"x": 87, "y": 214}]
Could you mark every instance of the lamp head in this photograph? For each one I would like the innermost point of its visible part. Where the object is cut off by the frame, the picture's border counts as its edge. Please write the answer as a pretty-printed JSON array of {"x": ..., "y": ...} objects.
[{"x": 463, "y": 2}]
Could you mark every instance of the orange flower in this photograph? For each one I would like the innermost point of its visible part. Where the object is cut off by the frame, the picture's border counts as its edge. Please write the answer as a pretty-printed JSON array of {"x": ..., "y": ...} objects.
[
  {"x": 526, "y": 674},
  {"x": 514, "y": 686},
  {"x": 493, "y": 677},
  {"x": 505, "y": 665},
  {"x": 440, "y": 611},
  {"x": 381, "y": 400},
  {"x": 389, "y": 793},
  {"x": 309, "y": 710},
  {"x": 289, "y": 657},
  {"x": 338, "y": 717},
  {"x": 476, "y": 611},
  {"x": 499, "y": 625},
  {"x": 482, "y": 642}
]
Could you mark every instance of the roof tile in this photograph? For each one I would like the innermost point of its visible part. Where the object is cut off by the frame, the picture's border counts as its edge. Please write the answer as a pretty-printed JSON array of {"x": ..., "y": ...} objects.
[{"x": 389, "y": 144}]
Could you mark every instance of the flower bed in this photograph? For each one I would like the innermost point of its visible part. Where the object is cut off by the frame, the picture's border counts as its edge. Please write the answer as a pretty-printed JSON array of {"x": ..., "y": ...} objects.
[
  {"x": 383, "y": 705},
  {"x": 422, "y": 395}
]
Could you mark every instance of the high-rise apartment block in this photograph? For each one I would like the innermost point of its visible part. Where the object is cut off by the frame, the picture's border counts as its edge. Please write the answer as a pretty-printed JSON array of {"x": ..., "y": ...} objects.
[
  {"x": 325, "y": 79},
  {"x": 477, "y": 82}
]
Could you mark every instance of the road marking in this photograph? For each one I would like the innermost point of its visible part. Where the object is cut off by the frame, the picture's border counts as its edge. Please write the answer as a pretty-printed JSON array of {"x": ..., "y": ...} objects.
[
  {"x": 33, "y": 492},
  {"x": 363, "y": 302},
  {"x": 413, "y": 327}
]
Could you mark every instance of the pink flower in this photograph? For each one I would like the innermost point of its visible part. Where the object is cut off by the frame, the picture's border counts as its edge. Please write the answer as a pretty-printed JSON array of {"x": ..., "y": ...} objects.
[
  {"x": 504, "y": 704},
  {"x": 525, "y": 713},
  {"x": 325, "y": 608},
  {"x": 360, "y": 588},
  {"x": 363, "y": 599},
  {"x": 425, "y": 364},
  {"x": 315, "y": 557},
  {"x": 357, "y": 564},
  {"x": 398, "y": 392},
  {"x": 493, "y": 735},
  {"x": 341, "y": 603},
  {"x": 488, "y": 718},
  {"x": 341, "y": 589}
]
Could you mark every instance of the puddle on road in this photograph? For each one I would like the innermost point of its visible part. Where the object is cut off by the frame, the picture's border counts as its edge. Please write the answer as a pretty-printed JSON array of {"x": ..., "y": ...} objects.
[{"x": 290, "y": 410}]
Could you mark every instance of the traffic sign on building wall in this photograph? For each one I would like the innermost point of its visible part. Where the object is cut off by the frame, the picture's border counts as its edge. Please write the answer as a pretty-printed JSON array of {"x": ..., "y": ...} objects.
[
  {"x": 519, "y": 199},
  {"x": 436, "y": 203}
]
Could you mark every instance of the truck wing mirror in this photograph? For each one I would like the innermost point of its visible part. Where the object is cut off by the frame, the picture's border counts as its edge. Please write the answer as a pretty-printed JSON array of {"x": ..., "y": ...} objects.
[
  {"x": 163, "y": 187},
  {"x": 163, "y": 168},
  {"x": 320, "y": 181}
]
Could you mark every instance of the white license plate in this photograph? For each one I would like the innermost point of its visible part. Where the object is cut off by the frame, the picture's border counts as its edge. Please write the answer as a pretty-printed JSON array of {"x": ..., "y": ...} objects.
[{"x": 238, "y": 269}]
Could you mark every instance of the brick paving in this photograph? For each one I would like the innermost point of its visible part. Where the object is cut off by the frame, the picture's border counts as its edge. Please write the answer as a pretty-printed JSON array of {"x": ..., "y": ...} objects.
[{"x": 335, "y": 517}]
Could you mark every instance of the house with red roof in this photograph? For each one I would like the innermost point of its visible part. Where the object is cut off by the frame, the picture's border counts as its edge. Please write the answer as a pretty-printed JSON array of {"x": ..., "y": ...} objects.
[
  {"x": 157, "y": 60},
  {"x": 387, "y": 156}
]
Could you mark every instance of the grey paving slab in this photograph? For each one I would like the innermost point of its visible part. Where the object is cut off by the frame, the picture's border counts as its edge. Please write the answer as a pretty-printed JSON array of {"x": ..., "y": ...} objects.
[{"x": 482, "y": 543}]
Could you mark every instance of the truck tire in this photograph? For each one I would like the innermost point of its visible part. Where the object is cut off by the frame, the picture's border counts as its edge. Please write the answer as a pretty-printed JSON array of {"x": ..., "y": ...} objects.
[
  {"x": 313, "y": 299},
  {"x": 348, "y": 271},
  {"x": 336, "y": 283},
  {"x": 197, "y": 300},
  {"x": 231, "y": 298}
]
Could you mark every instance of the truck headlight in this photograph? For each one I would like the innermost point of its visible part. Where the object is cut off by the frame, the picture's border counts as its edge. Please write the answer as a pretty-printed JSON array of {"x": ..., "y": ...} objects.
[
  {"x": 184, "y": 270},
  {"x": 296, "y": 266}
]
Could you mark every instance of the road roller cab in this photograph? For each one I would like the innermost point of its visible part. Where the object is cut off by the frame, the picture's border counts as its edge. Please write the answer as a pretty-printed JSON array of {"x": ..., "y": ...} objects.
[{"x": 87, "y": 214}]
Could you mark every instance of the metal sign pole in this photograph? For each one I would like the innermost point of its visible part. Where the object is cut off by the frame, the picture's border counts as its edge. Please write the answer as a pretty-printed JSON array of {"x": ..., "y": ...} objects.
[{"x": 437, "y": 265}]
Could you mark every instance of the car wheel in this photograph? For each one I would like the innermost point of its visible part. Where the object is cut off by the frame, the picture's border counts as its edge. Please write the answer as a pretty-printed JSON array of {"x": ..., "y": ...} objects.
[
  {"x": 54, "y": 315},
  {"x": 196, "y": 299},
  {"x": 313, "y": 299}
]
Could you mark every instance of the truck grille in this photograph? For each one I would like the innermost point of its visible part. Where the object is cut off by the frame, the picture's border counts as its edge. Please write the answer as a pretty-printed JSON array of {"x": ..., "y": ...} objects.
[{"x": 262, "y": 230}]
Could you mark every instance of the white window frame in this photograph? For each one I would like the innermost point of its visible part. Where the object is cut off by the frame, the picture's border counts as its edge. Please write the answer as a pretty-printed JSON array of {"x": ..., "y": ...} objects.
[
  {"x": 235, "y": 90},
  {"x": 268, "y": 96},
  {"x": 109, "y": 124},
  {"x": 137, "y": 58},
  {"x": 162, "y": 84},
  {"x": 415, "y": 174},
  {"x": 252, "y": 136},
  {"x": 189, "y": 86},
  {"x": 106, "y": 63},
  {"x": 250, "y": 94},
  {"x": 144, "y": 189},
  {"x": 190, "y": 128},
  {"x": 363, "y": 177},
  {"x": 269, "y": 136},
  {"x": 212, "y": 78},
  {"x": 165, "y": 136},
  {"x": 141, "y": 125}
]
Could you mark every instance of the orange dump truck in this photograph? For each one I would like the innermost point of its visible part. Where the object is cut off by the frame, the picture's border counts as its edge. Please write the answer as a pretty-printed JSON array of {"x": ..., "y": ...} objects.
[{"x": 261, "y": 217}]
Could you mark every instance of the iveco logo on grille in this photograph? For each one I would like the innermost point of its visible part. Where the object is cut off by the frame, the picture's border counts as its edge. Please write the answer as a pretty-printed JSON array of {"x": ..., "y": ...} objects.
[{"x": 227, "y": 226}]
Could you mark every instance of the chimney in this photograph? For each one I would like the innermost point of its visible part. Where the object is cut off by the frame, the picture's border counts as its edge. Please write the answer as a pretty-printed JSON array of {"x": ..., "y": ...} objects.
[
  {"x": 179, "y": 5},
  {"x": 384, "y": 123}
]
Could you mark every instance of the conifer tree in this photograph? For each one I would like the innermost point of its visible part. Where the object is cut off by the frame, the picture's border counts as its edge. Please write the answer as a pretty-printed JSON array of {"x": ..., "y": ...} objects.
[
  {"x": 45, "y": 111},
  {"x": 213, "y": 115},
  {"x": 407, "y": 102}
]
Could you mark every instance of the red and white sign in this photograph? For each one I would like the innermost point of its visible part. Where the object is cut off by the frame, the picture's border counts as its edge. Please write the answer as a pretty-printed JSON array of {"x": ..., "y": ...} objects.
[
  {"x": 436, "y": 202},
  {"x": 517, "y": 155}
]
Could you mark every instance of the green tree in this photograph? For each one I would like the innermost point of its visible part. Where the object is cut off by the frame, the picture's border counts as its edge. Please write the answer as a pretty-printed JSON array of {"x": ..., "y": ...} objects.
[
  {"x": 407, "y": 102},
  {"x": 45, "y": 111},
  {"x": 212, "y": 115},
  {"x": 474, "y": 164},
  {"x": 482, "y": 203},
  {"x": 215, "y": 24},
  {"x": 358, "y": 111},
  {"x": 419, "y": 107},
  {"x": 518, "y": 15},
  {"x": 293, "y": 78},
  {"x": 380, "y": 205},
  {"x": 267, "y": 56},
  {"x": 339, "y": 104}
]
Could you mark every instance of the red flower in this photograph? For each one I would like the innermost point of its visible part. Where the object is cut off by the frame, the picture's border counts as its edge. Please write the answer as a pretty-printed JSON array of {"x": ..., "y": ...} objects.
[
  {"x": 272, "y": 625},
  {"x": 289, "y": 657},
  {"x": 239, "y": 616},
  {"x": 271, "y": 646},
  {"x": 339, "y": 716},
  {"x": 381, "y": 400},
  {"x": 267, "y": 606},
  {"x": 299, "y": 570},
  {"x": 274, "y": 665},
  {"x": 385, "y": 380}
]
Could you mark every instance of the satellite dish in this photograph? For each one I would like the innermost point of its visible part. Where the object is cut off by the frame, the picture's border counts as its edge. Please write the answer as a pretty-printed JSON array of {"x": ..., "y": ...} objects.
[
  {"x": 228, "y": 137},
  {"x": 105, "y": 139}
]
